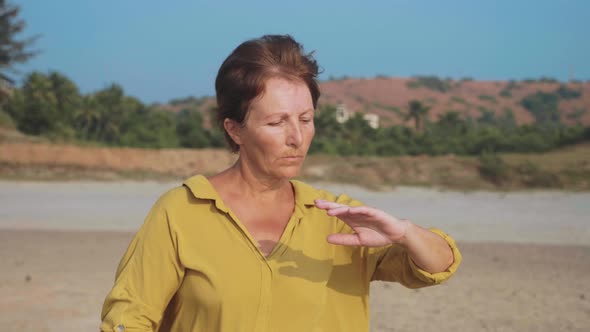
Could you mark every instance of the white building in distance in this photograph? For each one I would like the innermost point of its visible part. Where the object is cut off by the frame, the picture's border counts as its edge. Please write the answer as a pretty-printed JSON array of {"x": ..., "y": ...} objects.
[{"x": 343, "y": 114}]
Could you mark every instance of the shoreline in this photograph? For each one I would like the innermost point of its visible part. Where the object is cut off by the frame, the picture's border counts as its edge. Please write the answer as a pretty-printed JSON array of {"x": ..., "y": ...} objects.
[{"x": 554, "y": 217}]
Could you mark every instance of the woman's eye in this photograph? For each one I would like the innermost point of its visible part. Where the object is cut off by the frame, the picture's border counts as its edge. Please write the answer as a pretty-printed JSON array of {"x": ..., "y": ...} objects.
[
  {"x": 306, "y": 120},
  {"x": 276, "y": 123}
]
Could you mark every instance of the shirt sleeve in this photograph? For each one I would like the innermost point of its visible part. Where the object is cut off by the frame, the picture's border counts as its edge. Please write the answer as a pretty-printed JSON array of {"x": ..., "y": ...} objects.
[
  {"x": 147, "y": 277},
  {"x": 395, "y": 264}
]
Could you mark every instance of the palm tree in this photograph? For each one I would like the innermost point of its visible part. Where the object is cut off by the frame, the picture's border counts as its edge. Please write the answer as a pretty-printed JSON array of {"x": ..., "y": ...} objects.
[
  {"x": 12, "y": 49},
  {"x": 417, "y": 112}
]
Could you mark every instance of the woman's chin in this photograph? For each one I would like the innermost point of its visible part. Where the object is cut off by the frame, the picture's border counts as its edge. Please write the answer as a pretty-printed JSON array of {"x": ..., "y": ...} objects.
[{"x": 289, "y": 172}]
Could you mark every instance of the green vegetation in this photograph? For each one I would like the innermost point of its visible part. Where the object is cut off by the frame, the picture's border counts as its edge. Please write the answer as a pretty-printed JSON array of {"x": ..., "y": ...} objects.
[
  {"x": 12, "y": 49},
  {"x": 417, "y": 112},
  {"x": 577, "y": 114},
  {"x": 187, "y": 101},
  {"x": 541, "y": 79},
  {"x": 430, "y": 82},
  {"x": 544, "y": 79},
  {"x": 527, "y": 174},
  {"x": 459, "y": 100},
  {"x": 493, "y": 168},
  {"x": 488, "y": 98},
  {"x": 451, "y": 134},
  {"x": 565, "y": 92},
  {"x": 191, "y": 133},
  {"x": 51, "y": 106},
  {"x": 339, "y": 78},
  {"x": 6, "y": 121},
  {"x": 506, "y": 92},
  {"x": 543, "y": 106},
  {"x": 389, "y": 108}
]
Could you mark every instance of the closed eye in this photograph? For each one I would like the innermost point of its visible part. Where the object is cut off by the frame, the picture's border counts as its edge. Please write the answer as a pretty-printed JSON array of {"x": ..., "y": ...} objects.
[{"x": 275, "y": 123}]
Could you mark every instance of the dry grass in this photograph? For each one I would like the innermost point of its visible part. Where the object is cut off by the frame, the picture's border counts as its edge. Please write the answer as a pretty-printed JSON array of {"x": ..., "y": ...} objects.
[
  {"x": 568, "y": 168},
  {"x": 387, "y": 172},
  {"x": 174, "y": 162},
  {"x": 576, "y": 156}
]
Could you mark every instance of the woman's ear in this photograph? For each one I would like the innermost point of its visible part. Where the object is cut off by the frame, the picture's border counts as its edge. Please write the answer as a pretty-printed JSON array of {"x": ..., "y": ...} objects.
[{"x": 233, "y": 130}]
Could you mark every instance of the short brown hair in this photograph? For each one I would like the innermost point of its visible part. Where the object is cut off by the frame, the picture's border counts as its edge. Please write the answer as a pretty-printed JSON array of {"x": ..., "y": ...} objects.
[{"x": 243, "y": 75}]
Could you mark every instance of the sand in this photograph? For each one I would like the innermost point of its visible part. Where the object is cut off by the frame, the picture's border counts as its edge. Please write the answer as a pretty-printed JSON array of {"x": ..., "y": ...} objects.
[{"x": 58, "y": 259}]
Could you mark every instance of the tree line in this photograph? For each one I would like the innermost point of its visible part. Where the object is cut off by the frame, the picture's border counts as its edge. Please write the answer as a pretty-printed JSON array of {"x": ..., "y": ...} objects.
[
  {"x": 52, "y": 106},
  {"x": 451, "y": 133}
]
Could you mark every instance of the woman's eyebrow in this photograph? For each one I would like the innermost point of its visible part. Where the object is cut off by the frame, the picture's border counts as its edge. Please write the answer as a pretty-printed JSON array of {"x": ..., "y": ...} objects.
[{"x": 284, "y": 114}]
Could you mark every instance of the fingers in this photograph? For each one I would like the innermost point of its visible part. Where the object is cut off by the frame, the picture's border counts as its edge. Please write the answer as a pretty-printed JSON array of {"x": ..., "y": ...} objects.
[
  {"x": 332, "y": 208},
  {"x": 337, "y": 209},
  {"x": 323, "y": 204},
  {"x": 344, "y": 239}
]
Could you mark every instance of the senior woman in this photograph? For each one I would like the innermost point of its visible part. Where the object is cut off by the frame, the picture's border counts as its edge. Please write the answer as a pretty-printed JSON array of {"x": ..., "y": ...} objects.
[{"x": 250, "y": 249}]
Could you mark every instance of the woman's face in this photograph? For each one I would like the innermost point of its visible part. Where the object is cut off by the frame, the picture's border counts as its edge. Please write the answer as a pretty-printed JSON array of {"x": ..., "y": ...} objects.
[{"x": 278, "y": 129}]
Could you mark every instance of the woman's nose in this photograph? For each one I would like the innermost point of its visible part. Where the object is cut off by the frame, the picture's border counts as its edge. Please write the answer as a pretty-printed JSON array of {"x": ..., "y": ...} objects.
[{"x": 294, "y": 135}]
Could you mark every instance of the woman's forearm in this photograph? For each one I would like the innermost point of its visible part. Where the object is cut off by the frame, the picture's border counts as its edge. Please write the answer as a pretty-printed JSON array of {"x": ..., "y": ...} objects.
[{"x": 427, "y": 249}]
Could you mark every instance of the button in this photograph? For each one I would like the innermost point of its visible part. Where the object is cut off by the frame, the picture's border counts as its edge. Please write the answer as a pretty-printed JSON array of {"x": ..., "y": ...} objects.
[{"x": 120, "y": 328}]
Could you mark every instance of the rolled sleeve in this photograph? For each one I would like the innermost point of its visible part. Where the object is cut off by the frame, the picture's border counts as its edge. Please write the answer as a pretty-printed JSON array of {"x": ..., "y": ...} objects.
[
  {"x": 394, "y": 264},
  {"x": 148, "y": 276},
  {"x": 439, "y": 277}
]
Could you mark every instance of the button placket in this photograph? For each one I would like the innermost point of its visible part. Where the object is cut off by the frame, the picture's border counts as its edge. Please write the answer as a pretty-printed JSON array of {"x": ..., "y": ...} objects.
[{"x": 264, "y": 309}]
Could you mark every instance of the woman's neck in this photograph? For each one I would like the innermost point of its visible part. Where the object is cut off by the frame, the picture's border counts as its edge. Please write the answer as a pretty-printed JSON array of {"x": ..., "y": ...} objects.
[{"x": 241, "y": 178}]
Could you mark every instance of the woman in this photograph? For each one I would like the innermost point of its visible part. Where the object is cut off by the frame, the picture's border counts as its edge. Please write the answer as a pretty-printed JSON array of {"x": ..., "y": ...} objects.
[{"x": 249, "y": 249}]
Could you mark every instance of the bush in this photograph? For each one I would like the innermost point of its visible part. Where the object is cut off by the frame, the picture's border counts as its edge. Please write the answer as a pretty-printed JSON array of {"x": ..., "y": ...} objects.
[
  {"x": 458, "y": 100},
  {"x": 532, "y": 176},
  {"x": 430, "y": 82},
  {"x": 543, "y": 106},
  {"x": 544, "y": 79},
  {"x": 576, "y": 114},
  {"x": 488, "y": 98},
  {"x": 565, "y": 92},
  {"x": 6, "y": 120},
  {"x": 188, "y": 101},
  {"x": 493, "y": 168}
]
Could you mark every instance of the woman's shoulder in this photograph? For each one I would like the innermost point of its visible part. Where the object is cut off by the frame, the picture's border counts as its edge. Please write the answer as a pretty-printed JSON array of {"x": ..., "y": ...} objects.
[{"x": 190, "y": 191}]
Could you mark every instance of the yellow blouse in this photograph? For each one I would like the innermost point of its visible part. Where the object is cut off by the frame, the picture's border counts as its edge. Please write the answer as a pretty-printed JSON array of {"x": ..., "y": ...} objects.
[{"x": 192, "y": 267}]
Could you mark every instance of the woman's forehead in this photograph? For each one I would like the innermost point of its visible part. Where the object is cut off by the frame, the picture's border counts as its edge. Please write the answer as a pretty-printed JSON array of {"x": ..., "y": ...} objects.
[{"x": 282, "y": 96}]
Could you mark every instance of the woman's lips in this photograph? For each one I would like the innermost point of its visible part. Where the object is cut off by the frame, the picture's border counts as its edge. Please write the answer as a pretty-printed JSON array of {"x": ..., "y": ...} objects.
[{"x": 292, "y": 158}]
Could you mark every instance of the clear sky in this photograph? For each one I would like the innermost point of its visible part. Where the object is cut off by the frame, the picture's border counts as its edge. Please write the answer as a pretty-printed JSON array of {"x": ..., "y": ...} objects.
[{"x": 159, "y": 50}]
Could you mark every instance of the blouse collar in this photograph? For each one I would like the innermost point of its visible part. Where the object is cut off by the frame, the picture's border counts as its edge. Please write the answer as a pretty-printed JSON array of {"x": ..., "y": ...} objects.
[{"x": 201, "y": 188}]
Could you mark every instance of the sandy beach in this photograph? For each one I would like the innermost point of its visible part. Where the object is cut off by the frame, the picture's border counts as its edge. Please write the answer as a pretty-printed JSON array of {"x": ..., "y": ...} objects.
[{"x": 526, "y": 256}]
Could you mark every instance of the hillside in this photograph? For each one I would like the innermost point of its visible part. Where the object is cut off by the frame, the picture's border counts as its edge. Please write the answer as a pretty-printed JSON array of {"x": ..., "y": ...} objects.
[{"x": 388, "y": 97}]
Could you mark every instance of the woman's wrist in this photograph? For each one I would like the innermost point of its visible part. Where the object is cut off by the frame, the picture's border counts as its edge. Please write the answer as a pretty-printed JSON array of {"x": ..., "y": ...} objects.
[{"x": 408, "y": 235}]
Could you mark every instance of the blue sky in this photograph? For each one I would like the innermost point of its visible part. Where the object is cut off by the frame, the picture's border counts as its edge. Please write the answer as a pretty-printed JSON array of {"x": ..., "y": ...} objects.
[{"x": 159, "y": 50}]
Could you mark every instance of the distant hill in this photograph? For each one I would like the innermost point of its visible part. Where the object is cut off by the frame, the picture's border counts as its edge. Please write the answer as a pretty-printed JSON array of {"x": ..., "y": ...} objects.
[{"x": 388, "y": 97}]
